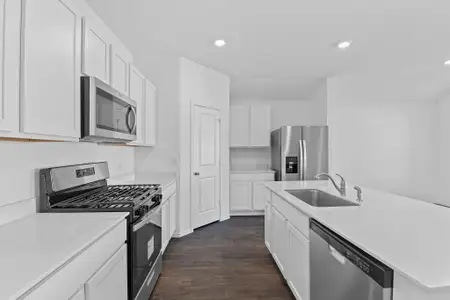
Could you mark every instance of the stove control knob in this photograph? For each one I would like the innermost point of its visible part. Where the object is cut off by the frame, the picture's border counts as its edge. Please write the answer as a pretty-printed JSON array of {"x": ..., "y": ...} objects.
[{"x": 141, "y": 211}]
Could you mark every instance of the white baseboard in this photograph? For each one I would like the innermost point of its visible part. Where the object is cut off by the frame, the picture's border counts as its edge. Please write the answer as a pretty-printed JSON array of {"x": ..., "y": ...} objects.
[
  {"x": 225, "y": 218},
  {"x": 246, "y": 213},
  {"x": 17, "y": 210},
  {"x": 178, "y": 235}
]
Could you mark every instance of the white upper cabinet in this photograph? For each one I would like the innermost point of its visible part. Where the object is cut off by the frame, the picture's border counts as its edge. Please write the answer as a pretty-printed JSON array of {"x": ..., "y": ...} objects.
[
  {"x": 110, "y": 282},
  {"x": 150, "y": 114},
  {"x": 96, "y": 48},
  {"x": 260, "y": 126},
  {"x": 239, "y": 126},
  {"x": 137, "y": 84},
  {"x": 50, "y": 99},
  {"x": 250, "y": 126},
  {"x": 121, "y": 59},
  {"x": 10, "y": 14}
]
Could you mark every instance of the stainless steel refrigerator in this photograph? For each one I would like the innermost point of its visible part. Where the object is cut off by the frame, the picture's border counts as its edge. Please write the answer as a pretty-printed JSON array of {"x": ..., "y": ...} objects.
[{"x": 299, "y": 152}]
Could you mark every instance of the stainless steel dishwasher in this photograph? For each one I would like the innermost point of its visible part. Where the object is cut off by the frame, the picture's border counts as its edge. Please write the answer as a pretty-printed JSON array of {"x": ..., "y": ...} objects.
[{"x": 341, "y": 271}]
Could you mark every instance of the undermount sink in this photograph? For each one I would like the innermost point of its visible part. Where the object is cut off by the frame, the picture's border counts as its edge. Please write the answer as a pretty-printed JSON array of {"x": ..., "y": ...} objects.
[{"x": 319, "y": 198}]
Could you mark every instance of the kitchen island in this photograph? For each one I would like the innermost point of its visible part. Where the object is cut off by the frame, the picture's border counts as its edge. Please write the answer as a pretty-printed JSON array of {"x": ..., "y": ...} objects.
[{"x": 408, "y": 235}]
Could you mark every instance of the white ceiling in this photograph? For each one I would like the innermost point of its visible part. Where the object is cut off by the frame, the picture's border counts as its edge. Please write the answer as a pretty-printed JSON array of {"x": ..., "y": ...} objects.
[{"x": 282, "y": 48}]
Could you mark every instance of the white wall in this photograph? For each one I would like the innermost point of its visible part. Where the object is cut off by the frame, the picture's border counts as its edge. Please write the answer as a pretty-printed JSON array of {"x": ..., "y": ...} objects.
[
  {"x": 206, "y": 87},
  {"x": 311, "y": 111},
  {"x": 385, "y": 142},
  {"x": 20, "y": 161},
  {"x": 443, "y": 185},
  {"x": 250, "y": 158},
  {"x": 163, "y": 72}
]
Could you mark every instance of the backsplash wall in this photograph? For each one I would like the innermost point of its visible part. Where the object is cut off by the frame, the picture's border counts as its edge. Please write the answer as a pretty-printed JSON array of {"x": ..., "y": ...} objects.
[
  {"x": 249, "y": 158},
  {"x": 19, "y": 162}
]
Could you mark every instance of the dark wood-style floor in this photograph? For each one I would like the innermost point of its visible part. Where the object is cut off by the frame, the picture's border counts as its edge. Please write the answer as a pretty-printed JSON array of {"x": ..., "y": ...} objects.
[{"x": 221, "y": 261}]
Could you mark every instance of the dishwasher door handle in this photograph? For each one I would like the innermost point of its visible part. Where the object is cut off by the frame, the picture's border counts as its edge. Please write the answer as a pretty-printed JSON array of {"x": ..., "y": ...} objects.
[{"x": 339, "y": 257}]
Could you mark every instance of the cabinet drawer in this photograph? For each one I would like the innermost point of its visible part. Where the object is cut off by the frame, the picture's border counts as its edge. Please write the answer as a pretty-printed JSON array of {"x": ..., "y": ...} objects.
[
  {"x": 71, "y": 276},
  {"x": 293, "y": 215}
]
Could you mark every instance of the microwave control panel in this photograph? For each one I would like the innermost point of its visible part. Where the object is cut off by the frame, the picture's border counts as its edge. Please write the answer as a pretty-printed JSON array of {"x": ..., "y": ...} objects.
[{"x": 291, "y": 165}]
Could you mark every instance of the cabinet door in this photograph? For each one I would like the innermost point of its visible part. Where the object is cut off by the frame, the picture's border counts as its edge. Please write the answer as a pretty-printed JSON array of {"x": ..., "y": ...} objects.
[
  {"x": 10, "y": 14},
  {"x": 259, "y": 196},
  {"x": 150, "y": 114},
  {"x": 96, "y": 49},
  {"x": 165, "y": 235},
  {"x": 267, "y": 224},
  {"x": 298, "y": 267},
  {"x": 260, "y": 126},
  {"x": 279, "y": 236},
  {"x": 79, "y": 295},
  {"x": 120, "y": 68},
  {"x": 50, "y": 101},
  {"x": 173, "y": 214},
  {"x": 239, "y": 126},
  {"x": 110, "y": 282},
  {"x": 137, "y": 82},
  {"x": 241, "y": 196}
]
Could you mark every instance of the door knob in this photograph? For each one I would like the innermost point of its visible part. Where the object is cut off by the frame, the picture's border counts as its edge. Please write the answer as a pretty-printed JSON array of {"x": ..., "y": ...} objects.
[{"x": 196, "y": 174}]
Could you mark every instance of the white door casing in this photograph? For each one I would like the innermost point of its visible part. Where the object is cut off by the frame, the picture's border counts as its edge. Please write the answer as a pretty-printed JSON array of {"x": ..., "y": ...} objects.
[{"x": 206, "y": 152}]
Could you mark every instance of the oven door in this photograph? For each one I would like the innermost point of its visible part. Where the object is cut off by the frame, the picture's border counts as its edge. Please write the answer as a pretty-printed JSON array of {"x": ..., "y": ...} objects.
[
  {"x": 107, "y": 115},
  {"x": 145, "y": 249}
]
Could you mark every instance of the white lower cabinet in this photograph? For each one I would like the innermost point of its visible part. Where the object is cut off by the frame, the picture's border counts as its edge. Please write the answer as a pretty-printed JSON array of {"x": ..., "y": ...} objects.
[
  {"x": 288, "y": 245},
  {"x": 248, "y": 192},
  {"x": 110, "y": 282},
  {"x": 173, "y": 214},
  {"x": 78, "y": 295},
  {"x": 298, "y": 267},
  {"x": 165, "y": 230},
  {"x": 280, "y": 240},
  {"x": 241, "y": 196},
  {"x": 267, "y": 225},
  {"x": 168, "y": 220}
]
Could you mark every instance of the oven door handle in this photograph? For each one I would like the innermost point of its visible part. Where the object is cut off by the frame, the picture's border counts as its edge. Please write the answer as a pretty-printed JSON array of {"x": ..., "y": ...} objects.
[{"x": 145, "y": 220}]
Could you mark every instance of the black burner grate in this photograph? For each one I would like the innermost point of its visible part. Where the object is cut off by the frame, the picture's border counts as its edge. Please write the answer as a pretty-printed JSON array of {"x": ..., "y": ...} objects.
[{"x": 113, "y": 196}]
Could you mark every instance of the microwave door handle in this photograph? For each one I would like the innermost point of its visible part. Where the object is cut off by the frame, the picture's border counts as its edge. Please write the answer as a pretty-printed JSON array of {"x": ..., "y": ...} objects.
[
  {"x": 127, "y": 119},
  {"x": 135, "y": 119}
]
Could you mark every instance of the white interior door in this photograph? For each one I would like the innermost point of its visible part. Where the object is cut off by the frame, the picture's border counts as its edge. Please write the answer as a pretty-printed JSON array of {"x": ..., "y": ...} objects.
[{"x": 205, "y": 198}]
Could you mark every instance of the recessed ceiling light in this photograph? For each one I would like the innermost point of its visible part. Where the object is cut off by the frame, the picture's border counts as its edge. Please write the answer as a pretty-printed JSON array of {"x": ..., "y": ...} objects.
[
  {"x": 447, "y": 62},
  {"x": 344, "y": 45},
  {"x": 219, "y": 43}
]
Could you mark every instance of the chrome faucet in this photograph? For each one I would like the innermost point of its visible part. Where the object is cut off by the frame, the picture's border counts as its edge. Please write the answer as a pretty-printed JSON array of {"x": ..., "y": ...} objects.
[
  {"x": 358, "y": 193},
  {"x": 342, "y": 190}
]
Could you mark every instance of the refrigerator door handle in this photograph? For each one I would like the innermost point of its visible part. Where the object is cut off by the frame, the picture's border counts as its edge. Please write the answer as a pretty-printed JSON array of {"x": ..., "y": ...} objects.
[
  {"x": 305, "y": 159},
  {"x": 301, "y": 161}
]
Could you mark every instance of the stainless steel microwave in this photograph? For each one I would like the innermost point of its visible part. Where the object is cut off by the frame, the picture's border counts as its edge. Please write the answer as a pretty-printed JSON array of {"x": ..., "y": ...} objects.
[{"x": 107, "y": 116}]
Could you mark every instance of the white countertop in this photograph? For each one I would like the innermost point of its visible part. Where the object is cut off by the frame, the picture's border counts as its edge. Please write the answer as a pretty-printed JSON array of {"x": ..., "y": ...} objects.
[
  {"x": 251, "y": 171},
  {"x": 33, "y": 247},
  {"x": 410, "y": 236},
  {"x": 164, "y": 179}
]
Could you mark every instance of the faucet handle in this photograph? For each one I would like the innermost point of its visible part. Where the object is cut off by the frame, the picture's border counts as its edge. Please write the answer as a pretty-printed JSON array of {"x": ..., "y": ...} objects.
[
  {"x": 343, "y": 183},
  {"x": 358, "y": 193}
]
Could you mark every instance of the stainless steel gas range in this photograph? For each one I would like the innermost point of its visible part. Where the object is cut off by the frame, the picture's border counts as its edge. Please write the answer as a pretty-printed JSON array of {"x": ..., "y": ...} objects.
[{"x": 83, "y": 188}]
